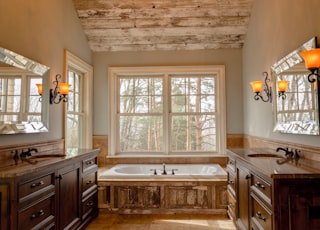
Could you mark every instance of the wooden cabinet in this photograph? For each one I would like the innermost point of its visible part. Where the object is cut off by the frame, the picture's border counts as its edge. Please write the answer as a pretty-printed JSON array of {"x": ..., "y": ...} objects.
[
  {"x": 258, "y": 200},
  {"x": 59, "y": 195},
  {"x": 68, "y": 196},
  {"x": 4, "y": 206},
  {"x": 250, "y": 197}
]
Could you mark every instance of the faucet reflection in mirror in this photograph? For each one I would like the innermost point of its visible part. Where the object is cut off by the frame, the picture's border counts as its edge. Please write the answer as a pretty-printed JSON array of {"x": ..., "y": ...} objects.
[
  {"x": 258, "y": 87},
  {"x": 59, "y": 93}
]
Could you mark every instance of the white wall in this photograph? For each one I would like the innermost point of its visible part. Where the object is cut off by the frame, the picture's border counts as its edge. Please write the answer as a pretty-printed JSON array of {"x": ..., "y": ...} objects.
[
  {"x": 276, "y": 28},
  {"x": 41, "y": 30},
  {"x": 231, "y": 58}
]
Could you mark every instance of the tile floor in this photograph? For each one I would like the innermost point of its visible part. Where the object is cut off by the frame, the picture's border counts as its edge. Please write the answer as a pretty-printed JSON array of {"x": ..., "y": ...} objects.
[{"x": 160, "y": 222}]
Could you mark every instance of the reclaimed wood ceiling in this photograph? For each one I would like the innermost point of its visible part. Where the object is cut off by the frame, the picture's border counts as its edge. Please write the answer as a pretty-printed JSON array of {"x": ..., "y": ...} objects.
[{"x": 147, "y": 25}]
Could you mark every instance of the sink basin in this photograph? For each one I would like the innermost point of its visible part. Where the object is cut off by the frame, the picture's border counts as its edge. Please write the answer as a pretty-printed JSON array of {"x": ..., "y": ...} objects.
[{"x": 264, "y": 155}]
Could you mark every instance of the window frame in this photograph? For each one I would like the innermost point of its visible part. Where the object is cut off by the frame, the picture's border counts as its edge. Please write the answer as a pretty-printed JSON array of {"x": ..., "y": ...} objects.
[
  {"x": 80, "y": 66},
  {"x": 167, "y": 70}
]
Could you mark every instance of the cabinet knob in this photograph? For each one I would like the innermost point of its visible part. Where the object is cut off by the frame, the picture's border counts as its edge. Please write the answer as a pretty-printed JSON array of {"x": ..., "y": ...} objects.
[
  {"x": 259, "y": 185},
  {"x": 89, "y": 182},
  {"x": 248, "y": 177},
  {"x": 38, "y": 214},
  {"x": 260, "y": 216},
  {"x": 59, "y": 177},
  {"x": 37, "y": 184},
  {"x": 231, "y": 182}
]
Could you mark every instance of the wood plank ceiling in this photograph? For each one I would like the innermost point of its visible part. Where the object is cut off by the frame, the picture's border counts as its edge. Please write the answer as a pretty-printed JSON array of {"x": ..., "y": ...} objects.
[{"x": 148, "y": 25}]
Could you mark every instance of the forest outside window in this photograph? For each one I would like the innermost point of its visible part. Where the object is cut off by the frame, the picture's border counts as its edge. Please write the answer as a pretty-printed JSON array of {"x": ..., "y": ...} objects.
[{"x": 167, "y": 110}]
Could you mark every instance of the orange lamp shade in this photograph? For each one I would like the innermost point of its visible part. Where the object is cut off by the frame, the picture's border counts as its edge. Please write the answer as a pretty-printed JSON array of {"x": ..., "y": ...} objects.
[
  {"x": 64, "y": 88},
  {"x": 282, "y": 86},
  {"x": 39, "y": 86},
  {"x": 311, "y": 58},
  {"x": 256, "y": 86}
]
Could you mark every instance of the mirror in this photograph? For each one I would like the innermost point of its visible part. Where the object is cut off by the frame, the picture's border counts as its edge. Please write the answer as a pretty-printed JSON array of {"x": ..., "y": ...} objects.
[
  {"x": 298, "y": 113},
  {"x": 21, "y": 109}
]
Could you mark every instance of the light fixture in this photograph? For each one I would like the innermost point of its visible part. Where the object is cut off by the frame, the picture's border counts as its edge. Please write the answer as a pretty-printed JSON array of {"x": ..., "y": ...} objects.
[
  {"x": 257, "y": 87},
  {"x": 312, "y": 62},
  {"x": 59, "y": 93},
  {"x": 260, "y": 87}
]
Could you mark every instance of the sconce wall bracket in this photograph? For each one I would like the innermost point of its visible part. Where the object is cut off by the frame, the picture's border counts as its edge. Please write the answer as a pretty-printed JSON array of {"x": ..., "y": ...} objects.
[{"x": 266, "y": 89}]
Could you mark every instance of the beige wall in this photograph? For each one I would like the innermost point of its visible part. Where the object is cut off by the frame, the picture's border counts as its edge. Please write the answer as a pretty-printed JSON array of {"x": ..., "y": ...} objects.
[
  {"x": 41, "y": 30},
  {"x": 231, "y": 58},
  {"x": 276, "y": 28}
]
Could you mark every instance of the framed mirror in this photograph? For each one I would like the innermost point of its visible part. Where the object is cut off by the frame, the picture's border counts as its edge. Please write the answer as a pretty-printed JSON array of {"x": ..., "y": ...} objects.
[
  {"x": 298, "y": 111},
  {"x": 22, "y": 109}
]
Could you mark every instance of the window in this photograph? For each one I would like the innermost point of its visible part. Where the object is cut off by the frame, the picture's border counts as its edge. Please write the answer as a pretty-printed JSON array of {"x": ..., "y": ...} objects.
[
  {"x": 167, "y": 110},
  {"x": 19, "y": 99},
  {"x": 78, "y": 122}
]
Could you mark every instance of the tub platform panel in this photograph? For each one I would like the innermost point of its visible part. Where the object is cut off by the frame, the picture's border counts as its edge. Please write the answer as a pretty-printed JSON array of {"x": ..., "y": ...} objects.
[{"x": 163, "y": 197}]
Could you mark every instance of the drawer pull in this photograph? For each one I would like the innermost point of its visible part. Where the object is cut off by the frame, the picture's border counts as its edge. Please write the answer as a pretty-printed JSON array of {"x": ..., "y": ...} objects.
[
  {"x": 258, "y": 185},
  {"x": 231, "y": 182},
  {"x": 37, "y": 184},
  {"x": 248, "y": 177},
  {"x": 90, "y": 203},
  {"x": 38, "y": 214},
  {"x": 89, "y": 162},
  {"x": 89, "y": 182},
  {"x": 260, "y": 216}
]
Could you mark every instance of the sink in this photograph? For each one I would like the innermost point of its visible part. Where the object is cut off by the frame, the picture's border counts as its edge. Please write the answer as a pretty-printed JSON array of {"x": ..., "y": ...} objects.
[{"x": 264, "y": 155}]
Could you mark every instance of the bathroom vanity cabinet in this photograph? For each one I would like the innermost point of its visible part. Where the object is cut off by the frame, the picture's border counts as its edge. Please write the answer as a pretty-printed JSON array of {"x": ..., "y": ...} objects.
[
  {"x": 54, "y": 193},
  {"x": 263, "y": 194}
]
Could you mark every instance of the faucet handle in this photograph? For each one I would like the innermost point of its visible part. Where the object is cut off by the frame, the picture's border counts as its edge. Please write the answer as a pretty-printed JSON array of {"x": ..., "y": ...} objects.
[
  {"x": 154, "y": 171},
  {"x": 173, "y": 171}
]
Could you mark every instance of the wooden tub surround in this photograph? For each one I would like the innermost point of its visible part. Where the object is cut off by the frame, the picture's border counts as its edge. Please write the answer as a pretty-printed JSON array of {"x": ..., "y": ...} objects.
[
  {"x": 266, "y": 190},
  {"x": 156, "y": 195},
  {"x": 56, "y": 191}
]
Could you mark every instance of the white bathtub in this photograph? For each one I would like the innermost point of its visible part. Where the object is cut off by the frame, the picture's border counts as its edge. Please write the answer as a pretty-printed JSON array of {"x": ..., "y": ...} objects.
[{"x": 174, "y": 172}]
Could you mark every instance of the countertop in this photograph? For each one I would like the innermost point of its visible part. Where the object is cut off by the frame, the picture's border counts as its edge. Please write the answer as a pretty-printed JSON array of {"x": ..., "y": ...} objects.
[
  {"x": 277, "y": 167},
  {"x": 10, "y": 168}
]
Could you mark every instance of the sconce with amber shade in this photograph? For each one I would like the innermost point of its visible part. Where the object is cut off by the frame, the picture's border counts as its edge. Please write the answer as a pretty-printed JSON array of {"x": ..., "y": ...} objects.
[
  {"x": 312, "y": 62},
  {"x": 263, "y": 90},
  {"x": 59, "y": 93}
]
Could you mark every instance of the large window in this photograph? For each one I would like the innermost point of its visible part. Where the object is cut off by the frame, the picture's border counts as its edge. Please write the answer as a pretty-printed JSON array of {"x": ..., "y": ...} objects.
[
  {"x": 167, "y": 110},
  {"x": 78, "y": 122}
]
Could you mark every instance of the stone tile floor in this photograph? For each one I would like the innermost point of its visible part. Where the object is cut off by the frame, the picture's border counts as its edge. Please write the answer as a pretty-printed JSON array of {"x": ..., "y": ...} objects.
[{"x": 160, "y": 222}]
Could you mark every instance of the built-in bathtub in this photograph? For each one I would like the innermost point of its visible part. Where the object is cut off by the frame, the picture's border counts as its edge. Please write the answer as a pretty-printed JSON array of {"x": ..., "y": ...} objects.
[{"x": 144, "y": 188}]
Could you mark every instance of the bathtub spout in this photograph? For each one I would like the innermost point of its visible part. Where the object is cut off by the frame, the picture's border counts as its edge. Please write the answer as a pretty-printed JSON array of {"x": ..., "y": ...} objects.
[{"x": 164, "y": 172}]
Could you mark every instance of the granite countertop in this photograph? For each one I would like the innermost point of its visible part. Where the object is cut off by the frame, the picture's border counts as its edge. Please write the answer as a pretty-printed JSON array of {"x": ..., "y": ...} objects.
[
  {"x": 277, "y": 167},
  {"x": 10, "y": 168}
]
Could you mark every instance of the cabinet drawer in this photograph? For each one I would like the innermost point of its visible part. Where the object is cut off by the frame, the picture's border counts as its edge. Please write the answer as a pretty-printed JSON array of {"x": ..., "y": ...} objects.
[
  {"x": 231, "y": 164},
  {"x": 89, "y": 183},
  {"x": 40, "y": 215},
  {"x": 231, "y": 206},
  {"x": 89, "y": 205},
  {"x": 232, "y": 183},
  {"x": 261, "y": 187},
  {"x": 261, "y": 216},
  {"x": 89, "y": 164},
  {"x": 29, "y": 191}
]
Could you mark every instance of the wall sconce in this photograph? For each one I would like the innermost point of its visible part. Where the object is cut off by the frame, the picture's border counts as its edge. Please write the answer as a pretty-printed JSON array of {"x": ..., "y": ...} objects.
[
  {"x": 312, "y": 63},
  {"x": 258, "y": 88},
  {"x": 59, "y": 93}
]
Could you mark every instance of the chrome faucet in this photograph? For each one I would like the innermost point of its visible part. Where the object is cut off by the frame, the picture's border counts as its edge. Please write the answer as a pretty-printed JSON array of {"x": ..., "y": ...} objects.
[{"x": 164, "y": 172}]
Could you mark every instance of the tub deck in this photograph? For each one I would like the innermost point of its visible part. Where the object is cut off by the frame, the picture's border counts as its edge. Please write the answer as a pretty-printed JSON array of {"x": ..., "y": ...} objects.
[{"x": 163, "y": 194}]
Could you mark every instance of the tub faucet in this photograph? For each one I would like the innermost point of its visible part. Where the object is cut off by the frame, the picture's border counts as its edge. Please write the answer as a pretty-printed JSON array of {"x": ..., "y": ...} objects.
[{"x": 164, "y": 172}]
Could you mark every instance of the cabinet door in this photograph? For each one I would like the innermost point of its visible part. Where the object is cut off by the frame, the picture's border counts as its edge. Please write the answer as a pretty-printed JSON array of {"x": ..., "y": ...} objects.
[
  {"x": 243, "y": 186},
  {"x": 4, "y": 197},
  {"x": 69, "y": 197}
]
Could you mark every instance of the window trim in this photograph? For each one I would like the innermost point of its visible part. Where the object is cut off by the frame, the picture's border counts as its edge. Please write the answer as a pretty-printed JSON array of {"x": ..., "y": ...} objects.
[
  {"x": 74, "y": 62},
  {"x": 221, "y": 103}
]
